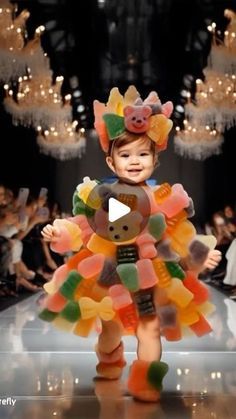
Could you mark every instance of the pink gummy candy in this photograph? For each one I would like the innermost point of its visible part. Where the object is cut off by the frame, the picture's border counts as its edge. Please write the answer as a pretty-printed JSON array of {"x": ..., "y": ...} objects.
[
  {"x": 91, "y": 266},
  {"x": 146, "y": 273},
  {"x": 120, "y": 296},
  {"x": 175, "y": 202},
  {"x": 56, "y": 302},
  {"x": 60, "y": 275},
  {"x": 146, "y": 246}
]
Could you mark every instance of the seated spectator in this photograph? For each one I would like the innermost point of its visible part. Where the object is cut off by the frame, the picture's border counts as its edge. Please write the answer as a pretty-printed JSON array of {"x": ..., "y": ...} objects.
[
  {"x": 9, "y": 227},
  {"x": 224, "y": 237},
  {"x": 230, "y": 219},
  {"x": 5, "y": 260},
  {"x": 230, "y": 278},
  {"x": 36, "y": 254}
]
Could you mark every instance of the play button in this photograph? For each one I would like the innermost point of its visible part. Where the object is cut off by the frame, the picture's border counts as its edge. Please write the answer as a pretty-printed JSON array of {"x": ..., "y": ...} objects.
[
  {"x": 116, "y": 209},
  {"x": 117, "y": 212}
]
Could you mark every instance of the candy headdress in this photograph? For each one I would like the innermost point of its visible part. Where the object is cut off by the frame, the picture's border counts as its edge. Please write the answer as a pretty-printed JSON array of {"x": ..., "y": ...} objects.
[{"x": 129, "y": 113}]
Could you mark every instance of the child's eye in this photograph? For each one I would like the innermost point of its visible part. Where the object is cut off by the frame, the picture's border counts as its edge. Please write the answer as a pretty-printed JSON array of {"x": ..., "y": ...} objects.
[
  {"x": 144, "y": 154},
  {"x": 124, "y": 155}
]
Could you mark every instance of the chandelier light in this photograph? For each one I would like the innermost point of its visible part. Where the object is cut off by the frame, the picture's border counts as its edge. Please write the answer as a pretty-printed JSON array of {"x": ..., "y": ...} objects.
[
  {"x": 12, "y": 41},
  {"x": 197, "y": 142},
  {"x": 62, "y": 142},
  {"x": 223, "y": 53},
  {"x": 215, "y": 101},
  {"x": 38, "y": 101},
  {"x": 213, "y": 108}
]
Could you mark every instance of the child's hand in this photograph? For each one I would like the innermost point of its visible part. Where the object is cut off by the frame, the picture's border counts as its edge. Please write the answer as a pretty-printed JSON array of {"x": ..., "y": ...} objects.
[
  {"x": 50, "y": 233},
  {"x": 213, "y": 259}
]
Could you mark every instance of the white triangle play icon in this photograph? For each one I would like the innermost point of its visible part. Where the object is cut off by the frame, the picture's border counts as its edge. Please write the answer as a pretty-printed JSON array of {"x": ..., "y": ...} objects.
[{"x": 116, "y": 209}]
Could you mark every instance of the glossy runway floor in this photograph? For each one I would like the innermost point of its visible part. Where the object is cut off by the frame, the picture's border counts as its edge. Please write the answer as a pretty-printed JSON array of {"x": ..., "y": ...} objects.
[{"x": 50, "y": 374}]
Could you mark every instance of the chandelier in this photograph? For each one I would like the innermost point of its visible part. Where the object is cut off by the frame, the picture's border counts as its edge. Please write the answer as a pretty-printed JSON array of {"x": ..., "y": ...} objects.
[
  {"x": 223, "y": 53},
  {"x": 213, "y": 107},
  {"x": 196, "y": 141},
  {"x": 215, "y": 101},
  {"x": 12, "y": 41},
  {"x": 36, "y": 100},
  {"x": 62, "y": 142}
]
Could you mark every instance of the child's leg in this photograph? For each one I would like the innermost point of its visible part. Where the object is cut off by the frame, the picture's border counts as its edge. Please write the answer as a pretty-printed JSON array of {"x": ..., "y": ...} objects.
[
  {"x": 149, "y": 340},
  {"x": 110, "y": 351},
  {"x": 147, "y": 372}
]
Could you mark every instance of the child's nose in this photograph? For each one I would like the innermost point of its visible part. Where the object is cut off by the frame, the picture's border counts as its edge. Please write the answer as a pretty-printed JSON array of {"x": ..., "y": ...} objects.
[{"x": 134, "y": 159}]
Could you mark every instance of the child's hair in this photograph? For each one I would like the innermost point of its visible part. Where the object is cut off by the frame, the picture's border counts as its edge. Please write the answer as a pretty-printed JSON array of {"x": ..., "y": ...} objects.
[{"x": 127, "y": 138}]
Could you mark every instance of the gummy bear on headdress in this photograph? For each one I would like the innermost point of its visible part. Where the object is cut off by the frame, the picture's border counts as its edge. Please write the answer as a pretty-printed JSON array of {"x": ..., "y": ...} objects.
[{"x": 130, "y": 113}]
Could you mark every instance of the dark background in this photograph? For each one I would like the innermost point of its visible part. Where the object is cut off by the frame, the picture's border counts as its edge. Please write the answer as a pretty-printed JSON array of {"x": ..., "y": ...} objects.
[{"x": 159, "y": 45}]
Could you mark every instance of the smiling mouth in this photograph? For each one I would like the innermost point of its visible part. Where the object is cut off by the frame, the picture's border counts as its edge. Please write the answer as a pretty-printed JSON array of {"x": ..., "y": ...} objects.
[{"x": 135, "y": 171}]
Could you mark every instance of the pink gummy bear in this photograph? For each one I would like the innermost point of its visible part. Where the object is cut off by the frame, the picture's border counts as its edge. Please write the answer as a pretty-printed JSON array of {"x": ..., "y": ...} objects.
[{"x": 137, "y": 118}]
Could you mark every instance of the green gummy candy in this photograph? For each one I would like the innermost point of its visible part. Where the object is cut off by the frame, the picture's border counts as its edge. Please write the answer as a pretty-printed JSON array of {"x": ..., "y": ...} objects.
[
  {"x": 157, "y": 225},
  {"x": 79, "y": 207},
  {"x": 156, "y": 373},
  {"x": 128, "y": 274},
  {"x": 71, "y": 312},
  {"x": 69, "y": 286},
  {"x": 115, "y": 125},
  {"x": 175, "y": 270},
  {"x": 47, "y": 315}
]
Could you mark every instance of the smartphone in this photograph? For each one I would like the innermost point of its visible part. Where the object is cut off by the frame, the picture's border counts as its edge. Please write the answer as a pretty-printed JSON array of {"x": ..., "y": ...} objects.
[
  {"x": 22, "y": 197},
  {"x": 43, "y": 193}
]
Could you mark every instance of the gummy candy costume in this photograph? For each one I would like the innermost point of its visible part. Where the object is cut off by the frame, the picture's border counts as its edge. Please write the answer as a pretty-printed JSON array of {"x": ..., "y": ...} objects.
[{"x": 115, "y": 276}]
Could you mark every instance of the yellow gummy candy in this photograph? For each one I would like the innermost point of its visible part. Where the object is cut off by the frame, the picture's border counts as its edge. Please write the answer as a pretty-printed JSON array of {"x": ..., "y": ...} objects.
[
  {"x": 206, "y": 308},
  {"x": 99, "y": 245},
  {"x": 181, "y": 238},
  {"x": 115, "y": 102},
  {"x": 209, "y": 240},
  {"x": 63, "y": 324},
  {"x": 87, "y": 191},
  {"x": 164, "y": 278},
  {"x": 50, "y": 287},
  {"x": 83, "y": 327},
  {"x": 162, "y": 193},
  {"x": 178, "y": 293},
  {"x": 188, "y": 315}
]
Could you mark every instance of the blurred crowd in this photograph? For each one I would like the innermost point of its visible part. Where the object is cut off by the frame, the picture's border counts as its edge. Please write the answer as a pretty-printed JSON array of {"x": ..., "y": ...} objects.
[{"x": 26, "y": 260}]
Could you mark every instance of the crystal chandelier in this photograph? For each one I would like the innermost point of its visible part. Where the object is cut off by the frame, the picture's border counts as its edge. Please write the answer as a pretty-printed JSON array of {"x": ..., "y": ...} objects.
[
  {"x": 62, "y": 142},
  {"x": 215, "y": 101},
  {"x": 36, "y": 101},
  {"x": 213, "y": 108},
  {"x": 196, "y": 141},
  {"x": 12, "y": 63},
  {"x": 223, "y": 53}
]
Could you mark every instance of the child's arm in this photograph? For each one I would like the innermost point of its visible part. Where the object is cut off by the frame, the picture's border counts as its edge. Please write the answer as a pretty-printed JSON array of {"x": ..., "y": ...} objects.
[
  {"x": 210, "y": 261},
  {"x": 213, "y": 259},
  {"x": 64, "y": 235},
  {"x": 50, "y": 233}
]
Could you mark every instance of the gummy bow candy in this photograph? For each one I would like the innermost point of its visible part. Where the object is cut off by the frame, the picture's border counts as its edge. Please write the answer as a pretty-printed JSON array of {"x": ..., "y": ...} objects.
[{"x": 90, "y": 308}]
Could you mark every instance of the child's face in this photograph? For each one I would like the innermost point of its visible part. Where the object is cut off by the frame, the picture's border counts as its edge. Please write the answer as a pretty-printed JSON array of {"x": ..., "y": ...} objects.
[{"x": 134, "y": 161}]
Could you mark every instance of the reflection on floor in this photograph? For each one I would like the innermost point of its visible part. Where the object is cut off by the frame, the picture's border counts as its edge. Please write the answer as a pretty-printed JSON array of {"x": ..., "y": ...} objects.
[{"x": 51, "y": 374}]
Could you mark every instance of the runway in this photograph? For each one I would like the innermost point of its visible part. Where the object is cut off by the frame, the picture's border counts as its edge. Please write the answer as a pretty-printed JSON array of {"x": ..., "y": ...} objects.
[{"x": 50, "y": 374}]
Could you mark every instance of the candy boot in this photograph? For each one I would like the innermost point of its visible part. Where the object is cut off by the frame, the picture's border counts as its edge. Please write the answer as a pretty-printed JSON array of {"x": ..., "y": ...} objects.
[
  {"x": 145, "y": 380},
  {"x": 111, "y": 364}
]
